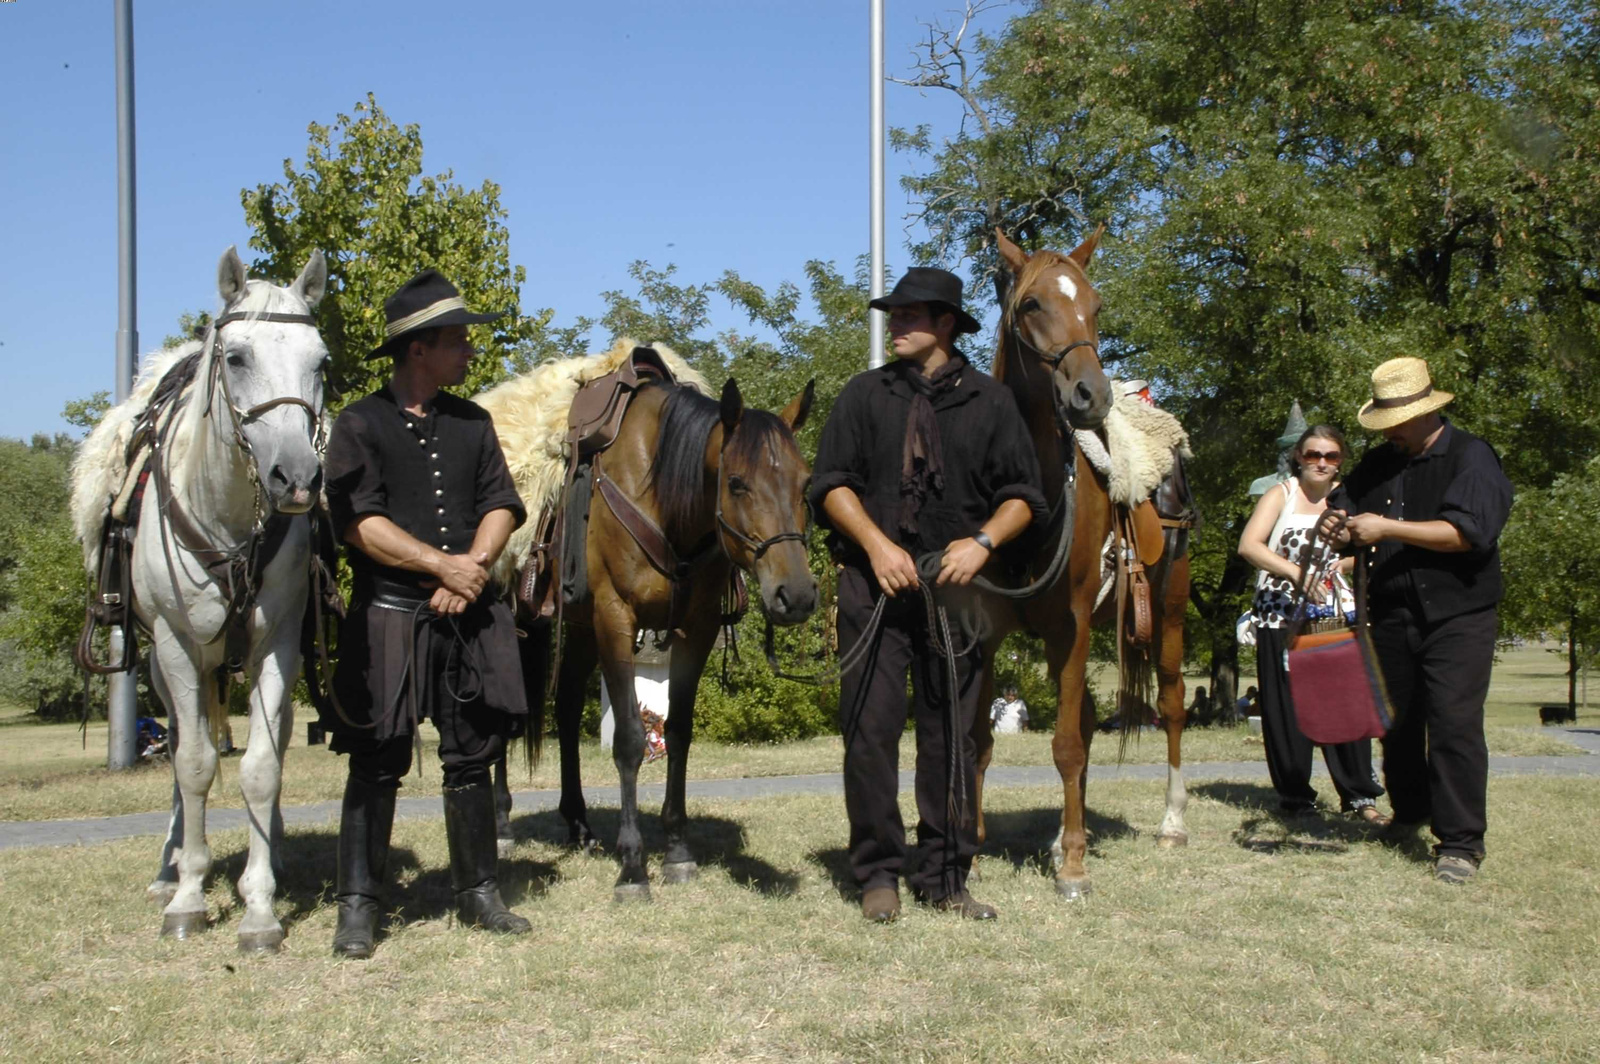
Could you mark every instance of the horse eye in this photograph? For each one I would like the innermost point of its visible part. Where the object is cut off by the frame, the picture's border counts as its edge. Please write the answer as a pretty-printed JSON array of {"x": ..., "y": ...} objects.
[
  {"x": 1029, "y": 305},
  {"x": 738, "y": 486},
  {"x": 236, "y": 360}
]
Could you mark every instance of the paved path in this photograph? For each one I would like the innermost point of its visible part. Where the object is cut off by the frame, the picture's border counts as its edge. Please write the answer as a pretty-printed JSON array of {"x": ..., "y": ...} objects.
[{"x": 83, "y": 832}]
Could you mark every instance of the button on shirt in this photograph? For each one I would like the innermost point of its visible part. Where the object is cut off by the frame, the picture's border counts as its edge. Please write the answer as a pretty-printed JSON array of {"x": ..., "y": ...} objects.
[{"x": 434, "y": 476}]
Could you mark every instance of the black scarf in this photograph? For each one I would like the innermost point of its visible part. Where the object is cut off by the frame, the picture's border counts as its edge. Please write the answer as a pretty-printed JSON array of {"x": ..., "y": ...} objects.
[{"x": 922, "y": 456}]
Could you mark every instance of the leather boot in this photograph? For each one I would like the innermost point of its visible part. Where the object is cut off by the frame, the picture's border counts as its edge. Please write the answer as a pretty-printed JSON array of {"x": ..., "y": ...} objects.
[
  {"x": 365, "y": 822},
  {"x": 474, "y": 861}
]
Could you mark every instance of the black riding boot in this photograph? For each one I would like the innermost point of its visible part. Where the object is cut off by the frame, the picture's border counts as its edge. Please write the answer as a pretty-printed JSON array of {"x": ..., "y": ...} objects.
[
  {"x": 365, "y": 823},
  {"x": 474, "y": 862}
]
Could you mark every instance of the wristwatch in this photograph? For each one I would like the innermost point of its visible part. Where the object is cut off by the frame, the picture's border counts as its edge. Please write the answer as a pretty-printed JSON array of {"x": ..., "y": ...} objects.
[{"x": 982, "y": 539}]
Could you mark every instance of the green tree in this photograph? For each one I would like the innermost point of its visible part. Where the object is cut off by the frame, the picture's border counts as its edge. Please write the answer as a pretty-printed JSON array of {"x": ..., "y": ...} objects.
[
  {"x": 1296, "y": 191},
  {"x": 361, "y": 196}
]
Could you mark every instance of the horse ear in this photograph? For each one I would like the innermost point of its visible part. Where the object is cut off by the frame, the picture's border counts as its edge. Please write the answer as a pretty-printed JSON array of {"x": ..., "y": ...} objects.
[
  {"x": 732, "y": 407},
  {"x": 312, "y": 283},
  {"x": 1014, "y": 257},
  {"x": 231, "y": 277},
  {"x": 1082, "y": 253},
  {"x": 794, "y": 415}
]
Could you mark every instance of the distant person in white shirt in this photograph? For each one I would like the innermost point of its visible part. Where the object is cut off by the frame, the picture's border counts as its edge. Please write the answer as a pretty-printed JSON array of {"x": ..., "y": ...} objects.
[{"x": 1010, "y": 713}]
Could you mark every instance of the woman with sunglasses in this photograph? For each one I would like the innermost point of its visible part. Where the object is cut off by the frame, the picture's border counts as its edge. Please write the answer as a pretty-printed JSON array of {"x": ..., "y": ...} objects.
[{"x": 1274, "y": 542}]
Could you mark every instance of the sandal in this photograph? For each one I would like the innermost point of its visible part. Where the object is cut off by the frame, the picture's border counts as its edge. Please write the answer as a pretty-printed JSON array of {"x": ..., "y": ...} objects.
[{"x": 1372, "y": 816}]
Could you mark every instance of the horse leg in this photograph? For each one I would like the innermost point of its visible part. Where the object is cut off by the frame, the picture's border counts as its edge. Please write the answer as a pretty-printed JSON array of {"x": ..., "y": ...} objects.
[
  {"x": 165, "y": 885},
  {"x": 614, "y": 628},
  {"x": 688, "y": 662},
  {"x": 194, "y": 766},
  {"x": 577, "y": 665},
  {"x": 983, "y": 740},
  {"x": 261, "y": 781},
  {"x": 503, "y": 839},
  {"x": 1070, "y": 747},
  {"x": 1169, "y": 674}
]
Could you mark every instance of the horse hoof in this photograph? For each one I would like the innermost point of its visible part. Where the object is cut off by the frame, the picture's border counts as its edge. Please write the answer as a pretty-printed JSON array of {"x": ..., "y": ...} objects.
[
  {"x": 268, "y": 941},
  {"x": 1173, "y": 840},
  {"x": 503, "y": 847},
  {"x": 679, "y": 872},
  {"x": 1073, "y": 889},
  {"x": 161, "y": 893},
  {"x": 631, "y": 892},
  {"x": 182, "y": 925}
]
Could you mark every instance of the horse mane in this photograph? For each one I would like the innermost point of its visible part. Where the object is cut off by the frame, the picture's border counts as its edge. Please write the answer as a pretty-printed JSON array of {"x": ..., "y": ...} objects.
[{"x": 677, "y": 473}]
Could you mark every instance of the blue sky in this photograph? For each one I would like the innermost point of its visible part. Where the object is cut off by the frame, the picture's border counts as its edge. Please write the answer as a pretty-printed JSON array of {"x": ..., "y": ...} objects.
[{"x": 713, "y": 134}]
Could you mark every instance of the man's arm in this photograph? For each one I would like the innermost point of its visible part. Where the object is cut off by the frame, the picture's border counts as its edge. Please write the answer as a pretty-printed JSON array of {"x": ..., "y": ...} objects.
[
  {"x": 963, "y": 558},
  {"x": 388, "y": 544},
  {"x": 1367, "y": 529},
  {"x": 890, "y": 563}
]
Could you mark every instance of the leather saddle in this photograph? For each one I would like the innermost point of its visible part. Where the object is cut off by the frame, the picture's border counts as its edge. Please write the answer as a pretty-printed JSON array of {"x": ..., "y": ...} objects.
[{"x": 593, "y": 422}]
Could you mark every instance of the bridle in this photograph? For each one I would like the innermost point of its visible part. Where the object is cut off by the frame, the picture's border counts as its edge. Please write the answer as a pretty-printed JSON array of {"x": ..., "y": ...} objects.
[
  {"x": 750, "y": 543},
  {"x": 215, "y": 374}
]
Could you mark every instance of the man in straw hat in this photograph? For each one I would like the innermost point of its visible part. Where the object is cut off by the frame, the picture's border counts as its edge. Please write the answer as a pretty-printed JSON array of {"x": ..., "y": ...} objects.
[
  {"x": 925, "y": 454},
  {"x": 1429, "y": 505},
  {"x": 419, "y": 492}
]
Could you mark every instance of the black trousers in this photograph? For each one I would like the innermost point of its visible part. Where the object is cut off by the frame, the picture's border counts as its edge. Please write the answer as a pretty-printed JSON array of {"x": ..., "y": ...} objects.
[
  {"x": 1289, "y": 751},
  {"x": 1435, "y": 758},
  {"x": 472, "y": 737},
  {"x": 872, "y": 710}
]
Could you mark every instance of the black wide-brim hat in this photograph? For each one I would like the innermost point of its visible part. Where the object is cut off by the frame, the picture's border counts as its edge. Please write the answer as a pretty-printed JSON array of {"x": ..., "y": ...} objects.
[
  {"x": 926, "y": 284},
  {"x": 427, "y": 301}
]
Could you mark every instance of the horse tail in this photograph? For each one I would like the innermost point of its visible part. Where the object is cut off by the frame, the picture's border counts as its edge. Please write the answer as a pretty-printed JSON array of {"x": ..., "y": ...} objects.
[
  {"x": 1135, "y": 689},
  {"x": 533, "y": 645}
]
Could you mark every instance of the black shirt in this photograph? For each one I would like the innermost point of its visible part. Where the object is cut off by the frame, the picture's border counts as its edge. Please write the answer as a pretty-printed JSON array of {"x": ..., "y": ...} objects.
[
  {"x": 987, "y": 453},
  {"x": 434, "y": 476},
  {"x": 1458, "y": 480}
]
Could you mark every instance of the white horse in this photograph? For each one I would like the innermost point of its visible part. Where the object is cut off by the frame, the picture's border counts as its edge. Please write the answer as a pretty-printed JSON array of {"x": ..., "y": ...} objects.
[{"x": 220, "y": 549}]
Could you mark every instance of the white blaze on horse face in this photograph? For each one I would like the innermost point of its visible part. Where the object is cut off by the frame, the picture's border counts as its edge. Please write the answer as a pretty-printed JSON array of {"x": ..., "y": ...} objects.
[{"x": 1068, "y": 289}]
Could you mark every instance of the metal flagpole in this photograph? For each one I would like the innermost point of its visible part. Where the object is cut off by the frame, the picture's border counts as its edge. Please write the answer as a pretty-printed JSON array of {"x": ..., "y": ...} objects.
[
  {"x": 122, "y": 688},
  {"x": 875, "y": 318}
]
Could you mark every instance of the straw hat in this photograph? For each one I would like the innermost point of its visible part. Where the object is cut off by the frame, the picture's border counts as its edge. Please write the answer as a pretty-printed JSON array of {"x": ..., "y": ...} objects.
[{"x": 1401, "y": 390}]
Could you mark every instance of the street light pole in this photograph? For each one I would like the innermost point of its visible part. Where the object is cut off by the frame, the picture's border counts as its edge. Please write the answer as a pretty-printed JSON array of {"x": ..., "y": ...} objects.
[
  {"x": 875, "y": 318},
  {"x": 122, "y": 688}
]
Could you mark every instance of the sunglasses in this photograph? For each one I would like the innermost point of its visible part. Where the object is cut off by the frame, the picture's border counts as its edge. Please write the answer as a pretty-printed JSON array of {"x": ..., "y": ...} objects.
[{"x": 1331, "y": 457}]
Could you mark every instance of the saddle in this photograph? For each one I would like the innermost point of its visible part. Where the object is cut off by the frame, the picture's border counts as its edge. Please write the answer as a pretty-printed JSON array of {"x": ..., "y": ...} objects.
[
  {"x": 1140, "y": 538},
  {"x": 593, "y": 421}
]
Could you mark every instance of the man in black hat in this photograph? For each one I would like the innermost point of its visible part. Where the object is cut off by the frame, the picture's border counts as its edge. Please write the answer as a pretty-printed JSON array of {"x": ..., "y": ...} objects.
[
  {"x": 925, "y": 455},
  {"x": 419, "y": 492}
]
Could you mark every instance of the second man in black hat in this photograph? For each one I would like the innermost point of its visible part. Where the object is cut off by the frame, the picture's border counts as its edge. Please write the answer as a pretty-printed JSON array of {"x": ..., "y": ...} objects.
[{"x": 925, "y": 455}]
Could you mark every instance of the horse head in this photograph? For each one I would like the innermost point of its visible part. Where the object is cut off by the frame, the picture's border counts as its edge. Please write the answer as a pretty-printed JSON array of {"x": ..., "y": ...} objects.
[
  {"x": 268, "y": 359},
  {"x": 1050, "y": 324},
  {"x": 761, "y": 505}
]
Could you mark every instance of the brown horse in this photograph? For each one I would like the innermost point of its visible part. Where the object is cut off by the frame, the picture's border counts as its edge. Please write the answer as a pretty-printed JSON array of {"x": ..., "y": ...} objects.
[
  {"x": 725, "y": 486},
  {"x": 1048, "y": 355}
]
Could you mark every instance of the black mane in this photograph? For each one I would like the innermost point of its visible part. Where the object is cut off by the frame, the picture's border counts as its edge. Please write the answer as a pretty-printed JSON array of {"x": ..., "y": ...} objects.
[{"x": 677, "y": 473}]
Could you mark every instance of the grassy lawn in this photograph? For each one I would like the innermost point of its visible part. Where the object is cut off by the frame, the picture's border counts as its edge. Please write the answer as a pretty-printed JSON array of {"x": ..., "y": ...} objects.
[
  {"x": 1251, "y": 945},
  {"x": 46, "y": 772}
]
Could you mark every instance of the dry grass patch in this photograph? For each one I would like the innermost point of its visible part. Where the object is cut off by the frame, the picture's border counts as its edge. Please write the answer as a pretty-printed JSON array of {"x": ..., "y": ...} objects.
[{"x": 1253, "y": 944}]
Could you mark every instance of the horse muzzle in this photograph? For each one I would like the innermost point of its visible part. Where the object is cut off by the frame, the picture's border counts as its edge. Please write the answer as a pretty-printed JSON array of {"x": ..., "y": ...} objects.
[
  {"x": 293, "y": 495},
  {"x": 1085, "y": 404},
  {"x": 789, "y": 602}
]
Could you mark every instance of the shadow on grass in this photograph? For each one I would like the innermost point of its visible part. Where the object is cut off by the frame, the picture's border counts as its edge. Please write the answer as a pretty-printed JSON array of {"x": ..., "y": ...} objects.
[
  {"x": 1022, "y": 837},
  {"x": 1265, "y": 829},
  {"x": 310, "y": 860},
  {"x": 715, "y": 841}
]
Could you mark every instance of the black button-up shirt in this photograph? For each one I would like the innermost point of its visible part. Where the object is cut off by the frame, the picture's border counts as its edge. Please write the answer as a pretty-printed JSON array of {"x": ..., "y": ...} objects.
[
  {"x": 1458, "y": 480},
  {"x": 987, "y": 453},
  {"x": 434, "y": 476}
]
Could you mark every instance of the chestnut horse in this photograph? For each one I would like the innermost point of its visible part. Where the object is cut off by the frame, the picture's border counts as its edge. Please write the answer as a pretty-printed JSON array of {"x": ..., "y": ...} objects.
[
  {"x": 1048, "y": 355},
  {"x": 725, "y": 485}
]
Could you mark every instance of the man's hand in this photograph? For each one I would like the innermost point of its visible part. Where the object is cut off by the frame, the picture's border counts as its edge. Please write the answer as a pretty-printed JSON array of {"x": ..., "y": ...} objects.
[
  {"x": 1367, "y": 529},
  {"x": 1331, "y": 530},
  {"x": 893, "y": 567},
  {"x": 447, "y": 603},
  {"x": 463, "y": 576},
  {"x": 961, "y": 561}
]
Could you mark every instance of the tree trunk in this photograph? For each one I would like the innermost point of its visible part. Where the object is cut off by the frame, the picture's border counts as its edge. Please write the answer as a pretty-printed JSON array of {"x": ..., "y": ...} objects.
[
  {"x": 1236, "y": 576},
  {"x": 1572, "y": 663}
]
